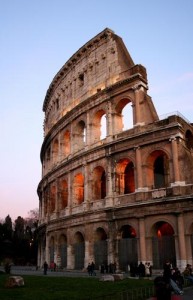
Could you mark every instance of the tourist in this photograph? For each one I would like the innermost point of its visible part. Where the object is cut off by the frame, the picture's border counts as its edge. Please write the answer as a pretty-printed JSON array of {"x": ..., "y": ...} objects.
[
  {"x": 141, "y": 270},
  {"x": 167, "y": 275},
  {"x": 45, "y": 268},
  {"x": 89, "y": 269},
  {"x": 188, "y": 273}
]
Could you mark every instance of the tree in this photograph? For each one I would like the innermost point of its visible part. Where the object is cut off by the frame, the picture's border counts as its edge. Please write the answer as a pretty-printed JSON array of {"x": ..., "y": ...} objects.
[
  {"x": 8, "y": 228},
  {"x": 6, "y": 235}
]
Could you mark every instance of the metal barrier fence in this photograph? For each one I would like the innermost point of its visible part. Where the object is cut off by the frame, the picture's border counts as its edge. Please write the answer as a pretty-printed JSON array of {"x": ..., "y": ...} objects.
[{"x": 132, "y": 294}]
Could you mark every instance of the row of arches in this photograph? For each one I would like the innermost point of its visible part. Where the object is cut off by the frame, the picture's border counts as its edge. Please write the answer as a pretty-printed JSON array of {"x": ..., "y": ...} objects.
[
  {"x": 124, "y": 182},
  {"x": 84, "y": 132},
  {"x": 123, "y": 249}
]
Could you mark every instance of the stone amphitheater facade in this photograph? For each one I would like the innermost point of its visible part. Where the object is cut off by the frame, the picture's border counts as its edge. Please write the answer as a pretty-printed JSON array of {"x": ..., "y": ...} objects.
[{"x": 112, "y": 194}]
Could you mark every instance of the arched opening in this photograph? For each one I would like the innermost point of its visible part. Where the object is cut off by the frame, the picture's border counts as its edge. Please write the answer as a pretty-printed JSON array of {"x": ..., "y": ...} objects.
[
  {"x": 63, "y": 194},
  {"x": 79, "y": 136},
  {"x": 129, "y": 179},
  {"x": 125, "y": 182},
  {"x": 189, "y": 139},
  {"x": 123, "y": 115},
  {"x": 157, "y": 170},
  {"x": 127, "y": 113},
  {"x": 103, "y": 129},
  {"x": 52, "y": 198},
  {"x": 55, "y": 151},
  {"x": 79, "y": 251},
  {"x": 63, "y": 251},
  {"x": 100, "y": 248},
  {"x": 52, "y": 250},
  {"x": 128, "y": 254},
  {"x": 46, "y": 200},
  {"x": 66, "y": 143},
  {"x": 163, "y": 245},
  {"x": 78, "y": 189},
  {"x": 98, "y": 129},
  {"x": 99, "y": 183}
]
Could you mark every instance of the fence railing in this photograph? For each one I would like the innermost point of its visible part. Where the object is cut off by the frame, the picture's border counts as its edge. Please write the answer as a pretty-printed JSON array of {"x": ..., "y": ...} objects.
[{"x": 132, "y": 294}]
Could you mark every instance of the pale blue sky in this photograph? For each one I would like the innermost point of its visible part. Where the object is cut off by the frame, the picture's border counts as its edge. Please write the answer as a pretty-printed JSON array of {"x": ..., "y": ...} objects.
[{"x": 36, "y": 39}]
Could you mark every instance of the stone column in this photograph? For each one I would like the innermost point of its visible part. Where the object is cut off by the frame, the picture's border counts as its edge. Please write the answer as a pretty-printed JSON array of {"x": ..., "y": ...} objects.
[
  {"x": 88, "y": 257},
  {"x": 47, "y": 251},
  {"x": 142, "y": 243},
  {"x": 181, "y": 241},
  {"x": 111, "y": 254},
  {"x": 109, "y": 177},
  {"x": 70, "y": 257},
  {"x": 138, "y": 168},
  {"x": 109, "y": 180},
  {"x": 137, "y": 110},
  {"x": 139, "y": 91},
  {"x": 109, "y": 121},
  {"x": 88, "y": 131},
  {"x": 59, "y": 158},
  {"x": 71, "y": 140},
  {"x": 116, "y": 254},
  {"x": 69, "y": 205},
  {"x": 86, "y": 186},
  {"x": 57, "y": 196},
  {"x": 175, "y": 160}
]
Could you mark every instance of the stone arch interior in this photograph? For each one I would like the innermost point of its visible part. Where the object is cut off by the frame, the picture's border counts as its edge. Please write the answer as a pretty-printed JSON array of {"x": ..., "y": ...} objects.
[
  {"x": 79, "y": 250},
  {"x": 158, "y": 170},
  {"x": 52, "y": 249},
  {"x": 128, "y": 253},
  {"x": 99, "y": 183},
  {"x": 55, "y": 151},
  {"x": 79, "y": 136},
  {"x": 78, "y": 189},
  {"x": 46, "y": 200},
  {"x": 127, "y": 113},
  {"x": 129, "y": 179},
  {"x": 189, "y": 139},
  {"x": 52, "y": 198},
  {"x": 98, "y": 126},
  {"x": 100, "y": 248},
  {"x": 125, "y": 182},
  {"x": 159, "y": 173},
  {"x": 66, "y": 143},
  {"x": 163, "y": 244},
  {"x": 103, "y": 126},
  {"x": 100, "y": 234},
  {"x": 128, "y": 231},
  {"x": 63, "y": 192},
  {"x": 123, "y": 121},
  {"x": 62, "y": 261}
]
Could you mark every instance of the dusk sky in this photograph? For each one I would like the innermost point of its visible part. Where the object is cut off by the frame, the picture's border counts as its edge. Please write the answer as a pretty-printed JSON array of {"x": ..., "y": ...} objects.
[{"x": 37, "y": 38}]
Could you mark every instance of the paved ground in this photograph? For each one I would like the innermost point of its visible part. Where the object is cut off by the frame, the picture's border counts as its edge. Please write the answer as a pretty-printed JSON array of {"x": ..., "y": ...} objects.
[{"x": 188, "y": 294}]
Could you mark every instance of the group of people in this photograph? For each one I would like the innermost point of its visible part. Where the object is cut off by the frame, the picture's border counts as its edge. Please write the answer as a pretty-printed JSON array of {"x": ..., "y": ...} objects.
[
  {"x": 141, "y": 270},
  {"x": 52, "y": 267},
  {"x": 172, "y": 280},
  {"x": 105, "y": 268},
  {"x": 91, "y": 269}
]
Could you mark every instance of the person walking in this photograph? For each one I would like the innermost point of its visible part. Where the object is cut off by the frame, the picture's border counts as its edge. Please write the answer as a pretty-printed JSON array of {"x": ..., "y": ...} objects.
[{"x": 45, "y": 268}]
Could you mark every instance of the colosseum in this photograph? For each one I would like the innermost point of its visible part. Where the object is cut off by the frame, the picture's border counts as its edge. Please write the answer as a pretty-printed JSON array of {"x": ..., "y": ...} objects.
[{"x": 117, "y": 180}]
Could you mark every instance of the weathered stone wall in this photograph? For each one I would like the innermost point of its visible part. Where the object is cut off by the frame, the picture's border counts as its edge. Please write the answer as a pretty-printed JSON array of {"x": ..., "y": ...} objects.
[{"x": 121, "y": 191}]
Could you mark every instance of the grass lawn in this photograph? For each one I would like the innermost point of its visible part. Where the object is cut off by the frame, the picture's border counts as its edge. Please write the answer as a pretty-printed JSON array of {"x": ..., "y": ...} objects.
[{"x": 66, "y": 288}]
